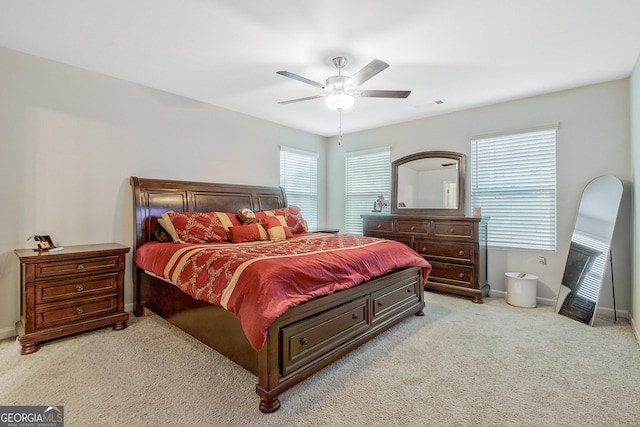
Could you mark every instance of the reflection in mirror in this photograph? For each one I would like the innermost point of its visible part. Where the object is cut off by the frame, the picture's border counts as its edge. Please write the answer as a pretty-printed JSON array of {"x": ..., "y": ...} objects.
[
  {"x": 430, "y": 181},
  {"x": 590, "y": 249}
]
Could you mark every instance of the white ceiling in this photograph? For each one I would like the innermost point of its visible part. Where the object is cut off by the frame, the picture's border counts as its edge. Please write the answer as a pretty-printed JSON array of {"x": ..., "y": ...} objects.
[{"x": 226, "y": 53}]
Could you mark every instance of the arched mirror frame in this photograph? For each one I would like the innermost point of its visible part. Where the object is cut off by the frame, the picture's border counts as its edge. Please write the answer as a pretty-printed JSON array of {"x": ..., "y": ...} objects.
[
  {"x": 458, "y": 157},
  {"x": 587, "y": 259}
]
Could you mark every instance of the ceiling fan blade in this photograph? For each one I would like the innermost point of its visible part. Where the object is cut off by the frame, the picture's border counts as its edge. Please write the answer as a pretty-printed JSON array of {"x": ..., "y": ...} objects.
[
  {"x": 383, "y": 93},
  {"x": 291, "y": 101},
  {"x": 300, "y": 79},
  {"x": 369, "y": 70}
]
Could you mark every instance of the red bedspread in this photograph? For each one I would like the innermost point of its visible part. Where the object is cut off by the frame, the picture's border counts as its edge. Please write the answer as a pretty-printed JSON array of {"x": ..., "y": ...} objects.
[{"x": 259, "y": 281}]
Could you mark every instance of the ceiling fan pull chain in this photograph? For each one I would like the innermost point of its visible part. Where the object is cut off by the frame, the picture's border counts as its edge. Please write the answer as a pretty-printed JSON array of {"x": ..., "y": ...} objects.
[{"x": 340, "y": 129}]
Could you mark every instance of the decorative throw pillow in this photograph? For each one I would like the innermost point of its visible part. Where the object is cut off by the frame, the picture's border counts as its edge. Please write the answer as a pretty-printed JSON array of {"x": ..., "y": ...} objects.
[
  {"x": 292, "y": 216},
  {"x": 162, "y": 235},
  {"x": 246, "y": 216},
  {"x": 248, "y": 233},
  {"x": 200, "y": 227},
  {"x": 277, "y": 228},
  {"x": 168, "y": 227}
]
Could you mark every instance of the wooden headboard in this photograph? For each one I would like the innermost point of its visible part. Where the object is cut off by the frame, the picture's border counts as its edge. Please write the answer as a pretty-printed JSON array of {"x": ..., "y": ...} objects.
[{"x": 153, "y": 197}]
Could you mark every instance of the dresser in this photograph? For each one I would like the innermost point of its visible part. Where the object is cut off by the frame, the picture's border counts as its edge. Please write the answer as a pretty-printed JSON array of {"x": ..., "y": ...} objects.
[
  {"x": 456, "y": 248},
  {"x": 73, "y": 290}
]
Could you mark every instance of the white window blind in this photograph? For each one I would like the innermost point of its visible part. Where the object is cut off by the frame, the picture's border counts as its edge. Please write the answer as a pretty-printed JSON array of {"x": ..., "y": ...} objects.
[
  {"x": 299, "y": 178},
  {"x": 367, "y": 176},
  {"x": 513, "y": 181}
]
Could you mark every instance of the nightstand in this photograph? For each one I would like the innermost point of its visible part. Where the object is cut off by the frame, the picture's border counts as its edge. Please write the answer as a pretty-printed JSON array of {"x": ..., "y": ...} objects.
[
  {"x": 324, "y": 230},
  {"x": 73, "y": 290}
]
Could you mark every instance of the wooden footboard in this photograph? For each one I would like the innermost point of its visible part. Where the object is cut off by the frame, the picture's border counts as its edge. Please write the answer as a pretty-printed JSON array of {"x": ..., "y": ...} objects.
[{"x": 315, "y": 334}]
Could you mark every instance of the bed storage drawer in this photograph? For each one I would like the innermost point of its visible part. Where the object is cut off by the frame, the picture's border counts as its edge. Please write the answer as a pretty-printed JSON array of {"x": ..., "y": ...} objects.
[
  {"x": 393, "y": 300},
  {"x": 310, "y": 338}
]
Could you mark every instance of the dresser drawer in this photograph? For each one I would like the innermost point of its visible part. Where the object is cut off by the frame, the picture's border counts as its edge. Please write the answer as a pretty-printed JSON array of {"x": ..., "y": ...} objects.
[
  {"x": 452, "y": 274},
  {"x": 453, "y": 229},
  {"x": 79, "y": 266},
  {"x": 75, "y": 311},
  {"x": 80, "y": 287},
  {"x": 309, "y": 339},
  {"x": 379, "y": 225},
  {"x": 459, "y": 252},
  {"x": 421, "y": 227}
]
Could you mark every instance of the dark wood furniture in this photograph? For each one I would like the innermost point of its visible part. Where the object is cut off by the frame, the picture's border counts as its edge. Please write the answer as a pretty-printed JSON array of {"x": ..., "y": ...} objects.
[
  {"x": 324, "y": 230},
  {"x": 299, "y": 343},
  {"x": 456, "y": 248},
  {"x": 72, "y": 290}
]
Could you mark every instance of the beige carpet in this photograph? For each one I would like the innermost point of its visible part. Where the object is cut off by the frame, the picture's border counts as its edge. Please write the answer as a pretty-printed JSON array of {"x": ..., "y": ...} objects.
[{"x": 462, "y": 364}]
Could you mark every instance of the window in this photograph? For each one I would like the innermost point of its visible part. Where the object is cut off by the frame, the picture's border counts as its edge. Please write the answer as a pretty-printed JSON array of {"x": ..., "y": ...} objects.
[
  {"x": 299, "y": 178},
  {"x": 513, "y": 181},
  {"x": 367, "y": 175}
]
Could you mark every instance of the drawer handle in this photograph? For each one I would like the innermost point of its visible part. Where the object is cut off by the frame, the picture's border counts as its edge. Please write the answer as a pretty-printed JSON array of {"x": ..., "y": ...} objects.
[
  {"x": 424, "y": 249},
  {"x": 461, "y": 275},
  {"x": 451, "y": 230},
  {"x": 79, "y": 288},
  {"x": 461, "y": 253},
  {"x": 413, "y": 228},
  {"x": 80, "y": 266},
  {"x": 380, "y": 304},
  {"x": 409, "y": 290},
  {"x": 304, "y": 341},
  {"x": 379, "y": 225},
  {"x": 79, "y": 310},
  {"x": 356, "y": 316}
]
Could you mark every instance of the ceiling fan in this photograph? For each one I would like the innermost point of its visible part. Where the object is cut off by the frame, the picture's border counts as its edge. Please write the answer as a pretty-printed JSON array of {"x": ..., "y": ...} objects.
[{"x": 342, "y": 90}]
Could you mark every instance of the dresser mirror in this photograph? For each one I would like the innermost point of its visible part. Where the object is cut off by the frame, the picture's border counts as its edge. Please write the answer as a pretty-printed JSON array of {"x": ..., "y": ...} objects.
[
  {"x": 589, "y": 252},
  {"x": 431, "y": 182}
]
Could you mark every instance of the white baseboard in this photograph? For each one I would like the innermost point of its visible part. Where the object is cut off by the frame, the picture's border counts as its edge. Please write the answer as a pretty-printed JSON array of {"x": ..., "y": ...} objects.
[
  {"x": 7, "y": 333},
  {"x": 539, "y": 300},
  {"x": 11, "y": 332},
  {"x": 634, "y": 327},
  {"x": 601, "y": 312}
]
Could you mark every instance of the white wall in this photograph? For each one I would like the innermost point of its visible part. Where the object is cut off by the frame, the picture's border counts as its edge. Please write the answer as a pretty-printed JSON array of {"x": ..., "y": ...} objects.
[
  {"x": 635, "y": 176},
  {"x": 70, "y": 139},
  {"x": 593, "y": 140}
]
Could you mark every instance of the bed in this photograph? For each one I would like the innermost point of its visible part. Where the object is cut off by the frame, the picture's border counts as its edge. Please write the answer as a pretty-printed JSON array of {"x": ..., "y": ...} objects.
[{"x": 303, "y": 339}]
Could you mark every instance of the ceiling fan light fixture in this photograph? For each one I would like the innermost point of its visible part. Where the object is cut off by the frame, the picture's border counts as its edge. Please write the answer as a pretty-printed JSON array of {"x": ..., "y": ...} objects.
[{"x": 339, "y": 101}]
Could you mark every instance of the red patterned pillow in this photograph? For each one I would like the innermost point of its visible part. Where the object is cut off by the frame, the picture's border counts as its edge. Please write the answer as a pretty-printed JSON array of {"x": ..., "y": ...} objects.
[
  {"x": 248, "y": 233},
  {"x": 277, "y": 228},
  {"x": 200, "y": 227},
  {"x": 292, "y": 216}
]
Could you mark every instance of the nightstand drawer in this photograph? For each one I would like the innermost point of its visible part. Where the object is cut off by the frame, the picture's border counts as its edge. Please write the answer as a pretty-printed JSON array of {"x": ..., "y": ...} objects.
[
  {"x": 80, "y": 266},
  {"x": 82, "y": 287},
  {"x": 76, "y": 311}
]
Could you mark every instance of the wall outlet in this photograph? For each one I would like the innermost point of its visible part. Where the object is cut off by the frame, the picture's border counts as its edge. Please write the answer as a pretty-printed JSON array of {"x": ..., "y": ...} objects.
[{"x": 542, "y": 260}]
